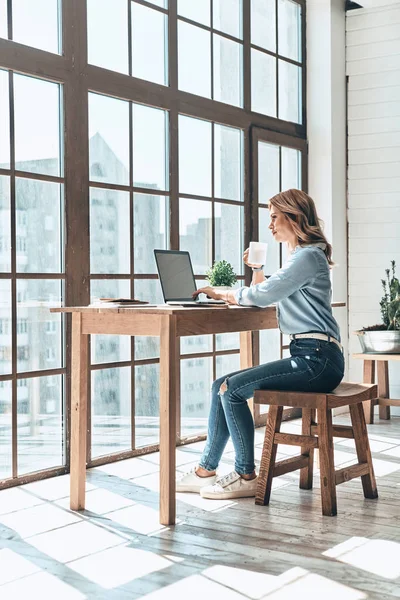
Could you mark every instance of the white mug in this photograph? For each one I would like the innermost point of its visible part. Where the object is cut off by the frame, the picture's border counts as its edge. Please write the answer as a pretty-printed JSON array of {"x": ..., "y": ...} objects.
[{"x": 257, "y": 253}]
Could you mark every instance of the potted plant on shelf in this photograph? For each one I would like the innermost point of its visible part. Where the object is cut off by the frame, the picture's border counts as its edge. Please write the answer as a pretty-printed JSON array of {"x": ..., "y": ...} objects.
[
  {"x": 385, "y": 338},
  {"x": 221, "y": 275}
]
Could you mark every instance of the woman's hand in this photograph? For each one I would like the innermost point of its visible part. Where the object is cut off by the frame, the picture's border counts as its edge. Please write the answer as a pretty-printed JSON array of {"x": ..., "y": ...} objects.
[
  {"x": 211, "y": 293},
  {"x": 226, "y": 295},
  {"x": 246, "y": 260}
]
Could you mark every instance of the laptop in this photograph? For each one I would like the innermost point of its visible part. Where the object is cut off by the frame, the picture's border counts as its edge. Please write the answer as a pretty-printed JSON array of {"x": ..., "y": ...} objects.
[{"x": 177, "y": 278}]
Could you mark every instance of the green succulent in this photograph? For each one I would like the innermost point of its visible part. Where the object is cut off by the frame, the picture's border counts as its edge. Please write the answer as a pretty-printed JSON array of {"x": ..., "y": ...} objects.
[
  {"x": 221, "y": 273},
  {"x": 390, "y": 302}
]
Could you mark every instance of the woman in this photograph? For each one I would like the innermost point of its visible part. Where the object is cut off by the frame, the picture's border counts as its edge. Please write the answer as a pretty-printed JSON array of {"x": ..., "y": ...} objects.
[{"x": 302, "y": 291}]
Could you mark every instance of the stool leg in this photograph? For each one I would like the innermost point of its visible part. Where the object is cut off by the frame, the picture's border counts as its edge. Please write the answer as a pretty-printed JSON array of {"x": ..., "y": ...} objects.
[
  {"x": 383, "y": 387},
  {"x": 268, "y": 456},
  {"x": 363, "y": 449},
  {"x": 327, "y": 467},
  {"x": 369, "y": 377},
  {"x": 306, "y": 474}
]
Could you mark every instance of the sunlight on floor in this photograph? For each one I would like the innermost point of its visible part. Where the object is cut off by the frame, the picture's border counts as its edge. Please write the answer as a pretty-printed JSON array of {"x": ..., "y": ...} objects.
[
  {"x": 118, "y": 566},
  {"x": 75, "y": 541},
  {"x": 40, "y": 585},
  {"x": 231, "y": 583},
  {"x": 138, "y": 518},
  {"x": 15, "y": 499},
  {"x": 38, "y": 519},
  {"x": 14, "y": 566},
  {"x": 381, "y": 557}
]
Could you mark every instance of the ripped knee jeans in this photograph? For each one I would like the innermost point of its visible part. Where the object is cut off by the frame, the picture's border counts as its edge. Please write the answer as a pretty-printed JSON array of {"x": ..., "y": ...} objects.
[{"x": 314, "y": 366}]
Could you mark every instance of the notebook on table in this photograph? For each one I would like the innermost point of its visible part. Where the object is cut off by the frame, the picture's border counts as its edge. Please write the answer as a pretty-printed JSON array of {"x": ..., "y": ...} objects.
[{"x": 177, "y": 279}]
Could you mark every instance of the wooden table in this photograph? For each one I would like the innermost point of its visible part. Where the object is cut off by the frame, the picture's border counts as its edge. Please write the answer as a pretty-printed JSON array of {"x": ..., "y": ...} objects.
[
  {"x": 383, "y": 400},
  {"x": 169, "y": 324}
]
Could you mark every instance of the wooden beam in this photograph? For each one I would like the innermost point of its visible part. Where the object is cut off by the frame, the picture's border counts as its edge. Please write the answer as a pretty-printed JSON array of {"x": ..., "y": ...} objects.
[
  {"x": 290, "y": 464},
  {"x": 306, "y": 441},
  {"x": 347, "y": 473}
]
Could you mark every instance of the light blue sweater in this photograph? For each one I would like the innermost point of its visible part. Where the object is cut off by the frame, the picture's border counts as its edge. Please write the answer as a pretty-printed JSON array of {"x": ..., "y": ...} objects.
[{"x": 302, "y": 291}]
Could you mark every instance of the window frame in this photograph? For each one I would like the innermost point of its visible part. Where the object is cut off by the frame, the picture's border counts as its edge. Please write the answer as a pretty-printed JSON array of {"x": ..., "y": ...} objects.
[{"x": 78, "y": 78}]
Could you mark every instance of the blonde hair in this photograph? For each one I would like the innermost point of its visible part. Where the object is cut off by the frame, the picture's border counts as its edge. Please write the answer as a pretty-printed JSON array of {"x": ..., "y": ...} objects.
[{"x": 299, "y": 208}]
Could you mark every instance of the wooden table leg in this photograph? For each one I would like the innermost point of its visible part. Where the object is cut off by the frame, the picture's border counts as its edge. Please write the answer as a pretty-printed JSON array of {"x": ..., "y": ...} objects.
[
  {"x": 246, "y": 361},
  {"x": 79, "y": 397},
  {"x": 169, "y": 394},
  {"x": 369, "y": 377},
  {"x": 383, "y": 387}
]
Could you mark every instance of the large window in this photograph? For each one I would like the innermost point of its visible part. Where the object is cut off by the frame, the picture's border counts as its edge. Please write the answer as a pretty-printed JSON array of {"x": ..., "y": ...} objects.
[
  {"x": 151, "y": 124},
  {"x": 32, "y": 411}
]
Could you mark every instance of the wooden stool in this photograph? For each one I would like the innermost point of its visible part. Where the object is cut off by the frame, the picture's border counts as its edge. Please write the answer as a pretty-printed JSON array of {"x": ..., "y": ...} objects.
[
  {"x": 383, "y": 400},
  {"x": 317, "y": 435}
]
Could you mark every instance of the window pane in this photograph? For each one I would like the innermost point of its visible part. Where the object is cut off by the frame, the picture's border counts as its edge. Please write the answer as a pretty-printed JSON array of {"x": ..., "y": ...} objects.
[
  {"x": 37, "y": 24},
  {"x": 38, "y": 119},
  {"x": 3, "y": 19},
  {"x": 4, "y": 121},
  {"x": 107, "y": 24},
  {"x": 6, "y": 432},
  {"x": 265, "y": 235},
  {"x": 109, "y": 231},
  {"x": 194, "y": 156},
  {"x": 195, "y": 227},
  {"x": 227, "y": 16},
  {"x": 268, "y": 171},
  {"x": 150, "y": 290},
  {"x": 194, "y": 60},
  {"x": 150, "y": 152},
  {"x": 39, "y": 338},
  {"x": 229, "y": 233},
  {"x": 40, "y": 423},
  {"x": 5, "y": 225},
  {"x": 110, "y": 348},
  {"x": 196, "y": 380},
  {"x": 227, "y": 341},
  {"x": 5, "y": 328},
  {"x": 263, "y": 83},
  {"x": 111, "y": 411},
  {"x": 228, "y": 79},
  {"x": 197, "y": 11},
  {"x": 227, "y": 364},
  {"x": 291, "y": 168},
  {"x": 147, "y": 405},
  {"x": 289, "y": 29},
  {"x": 196, "y": 343},
  {"x": 289, "y": 92},
  {"x": 263, "y": 29},
  {"x": 108, "y": 139},
  {"x": 149, "y": 44},
  {"x": 39, "y": 207},
  {"x": 150, "y": 230},
  {"x": 228, "y": 158}
]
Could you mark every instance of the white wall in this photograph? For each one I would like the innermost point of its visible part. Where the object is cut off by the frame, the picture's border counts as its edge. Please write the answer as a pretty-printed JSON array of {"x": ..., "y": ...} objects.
[
  {"x": 326, "y": 131},
  {"x": 373, "y": 69}
]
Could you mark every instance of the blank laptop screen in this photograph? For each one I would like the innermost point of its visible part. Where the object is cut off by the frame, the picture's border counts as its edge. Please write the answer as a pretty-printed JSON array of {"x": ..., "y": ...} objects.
[{"x": 176, "y": 275}]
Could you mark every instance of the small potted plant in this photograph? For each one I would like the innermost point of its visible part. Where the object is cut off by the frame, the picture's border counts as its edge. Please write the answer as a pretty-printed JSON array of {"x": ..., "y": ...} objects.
[
  {"x": 385, "y": 337},
  {"x": 221, "y": 275}
]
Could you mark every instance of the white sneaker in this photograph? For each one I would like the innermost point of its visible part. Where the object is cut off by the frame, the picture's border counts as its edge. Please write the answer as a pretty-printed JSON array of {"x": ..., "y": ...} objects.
[
  {"x": 191, "y": 482},
  {"x": 230, "y": 486}
]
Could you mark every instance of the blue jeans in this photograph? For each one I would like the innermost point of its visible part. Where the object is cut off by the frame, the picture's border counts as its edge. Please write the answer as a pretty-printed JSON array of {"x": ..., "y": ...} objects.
[{"x": 314, "y": 366}]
